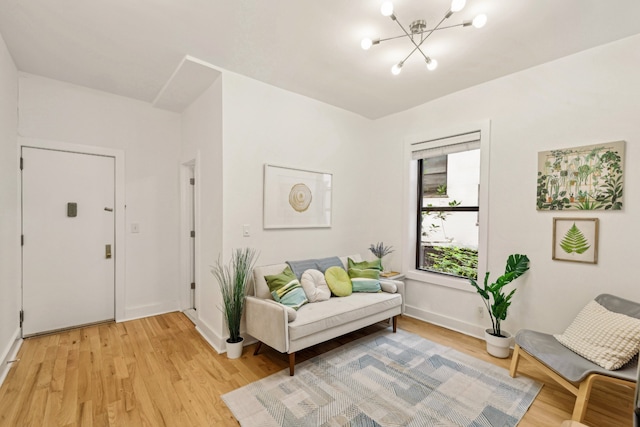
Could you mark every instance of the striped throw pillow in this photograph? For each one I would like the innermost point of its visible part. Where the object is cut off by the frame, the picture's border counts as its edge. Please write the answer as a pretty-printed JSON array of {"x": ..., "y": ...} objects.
[
  {"x": 286, "y": 289},
  {"x": 365, "y": 275}
]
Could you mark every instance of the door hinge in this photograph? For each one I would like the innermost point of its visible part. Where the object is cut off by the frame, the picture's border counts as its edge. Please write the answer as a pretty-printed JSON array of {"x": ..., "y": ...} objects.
[
  {"x": 193, "y": 285},
  {"x": 193, "y": 233},
  {"x": 21, "y": 317},
  {"x": 22, "y": 240},
  {"x": 192, "y": 181},
  {"x": 21, "y": 163}
]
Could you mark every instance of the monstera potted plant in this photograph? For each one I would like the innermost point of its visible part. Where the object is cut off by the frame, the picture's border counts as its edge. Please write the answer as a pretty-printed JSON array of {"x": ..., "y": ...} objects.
[
  {"x": 497, "y": 303},
  {"x": 233, "y": 279}
]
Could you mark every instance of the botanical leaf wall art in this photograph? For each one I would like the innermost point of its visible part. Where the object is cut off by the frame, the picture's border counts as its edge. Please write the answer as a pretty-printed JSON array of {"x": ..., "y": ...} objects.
[
  {"x": 581, "y": 178},
  {"x": 575, "y": 239}
]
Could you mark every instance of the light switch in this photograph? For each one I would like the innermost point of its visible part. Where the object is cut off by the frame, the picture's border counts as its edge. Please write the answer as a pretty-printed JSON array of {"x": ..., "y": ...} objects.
[
  {"x": 135, "y": 227},
  {"x": 246, "y": 231}
]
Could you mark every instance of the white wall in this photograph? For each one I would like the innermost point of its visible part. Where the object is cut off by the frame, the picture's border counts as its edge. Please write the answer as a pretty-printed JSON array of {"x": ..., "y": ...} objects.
[
  {"x": 57, "y": 111},
  {"x": 240, "y": 124},
  {"x": 582, "y": 99},
  {"x": 202, "y": 142},
  {"x": 263, "y": 124},
  {"x": 9, "y": 208}
]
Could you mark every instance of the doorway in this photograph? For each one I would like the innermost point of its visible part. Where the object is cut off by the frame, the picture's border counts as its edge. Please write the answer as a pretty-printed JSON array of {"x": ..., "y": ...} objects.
[
  {"x": 189, "y": 239},
  {"x": 68, "y": 239}
]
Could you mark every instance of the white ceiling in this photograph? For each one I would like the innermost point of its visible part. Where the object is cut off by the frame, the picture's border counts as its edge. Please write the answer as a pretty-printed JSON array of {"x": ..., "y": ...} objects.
[{"x": 132, "y": 47}]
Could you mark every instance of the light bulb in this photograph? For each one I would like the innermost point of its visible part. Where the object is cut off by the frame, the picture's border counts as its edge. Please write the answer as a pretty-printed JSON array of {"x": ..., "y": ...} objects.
[
  {"x": 395, "y": 70},
  {"x": 432, "y": 64},
  {"x": 366, "y": 43},
  {"x": 387, "y": 8},
  {"x": 457, "y": 5},
  {"x": 479, "y": 21}
]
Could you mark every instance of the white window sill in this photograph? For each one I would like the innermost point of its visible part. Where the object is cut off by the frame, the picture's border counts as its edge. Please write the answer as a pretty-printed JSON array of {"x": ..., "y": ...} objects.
[{"x": 458, "y": 283}]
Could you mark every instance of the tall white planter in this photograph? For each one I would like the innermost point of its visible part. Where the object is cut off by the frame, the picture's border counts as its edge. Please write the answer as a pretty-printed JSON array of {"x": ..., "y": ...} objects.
[
  {"x": 234, "y": 350},
  {"x": 498, "y": 346}
]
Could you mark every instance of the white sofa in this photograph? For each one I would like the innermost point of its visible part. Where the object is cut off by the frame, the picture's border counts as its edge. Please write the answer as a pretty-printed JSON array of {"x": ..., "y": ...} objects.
[{"x": 287, "y": 331}]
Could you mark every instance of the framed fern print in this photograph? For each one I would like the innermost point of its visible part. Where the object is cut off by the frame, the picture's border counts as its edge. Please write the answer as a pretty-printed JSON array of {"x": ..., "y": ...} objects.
[{"x": 575, "y": 239}]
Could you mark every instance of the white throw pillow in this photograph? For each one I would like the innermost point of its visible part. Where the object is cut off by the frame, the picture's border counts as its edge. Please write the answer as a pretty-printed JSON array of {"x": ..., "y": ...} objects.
[
  {"x": 315, "y": 286},
  {"x": 606, "y": 338}
]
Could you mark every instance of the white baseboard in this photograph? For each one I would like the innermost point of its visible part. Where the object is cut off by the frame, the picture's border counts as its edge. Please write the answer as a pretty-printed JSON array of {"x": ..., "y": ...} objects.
[
  {"x": 9, "y": 353},
  {"x": 218, "y": 343},
  {"x": 445, "y": 321},
  {"x": 209, "y": 335},
  {"x": 133, "y": 313}
]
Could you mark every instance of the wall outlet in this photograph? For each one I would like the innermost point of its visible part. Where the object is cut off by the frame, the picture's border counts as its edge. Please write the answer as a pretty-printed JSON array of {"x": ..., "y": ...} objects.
[{"x": 480, "y": 311}]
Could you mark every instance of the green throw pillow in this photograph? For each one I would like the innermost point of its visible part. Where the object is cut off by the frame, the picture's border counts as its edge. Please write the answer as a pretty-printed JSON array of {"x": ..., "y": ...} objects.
[
  {"x": 286, "y": 289},
  {"x": 338, "y": 281},
  {"x": 365, "y": 275}
]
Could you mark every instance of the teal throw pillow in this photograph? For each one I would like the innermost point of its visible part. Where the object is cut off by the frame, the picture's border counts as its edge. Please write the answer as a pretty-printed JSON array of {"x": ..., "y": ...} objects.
[
  {"x": 286, "y": 289},
  {"x": 365, "y": 275},
  {"x": 338, "y": 281}
]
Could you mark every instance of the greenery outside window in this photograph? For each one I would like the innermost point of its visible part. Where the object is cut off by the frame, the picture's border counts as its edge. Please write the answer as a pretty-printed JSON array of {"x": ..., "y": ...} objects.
[{"x": 447, "y": 214}]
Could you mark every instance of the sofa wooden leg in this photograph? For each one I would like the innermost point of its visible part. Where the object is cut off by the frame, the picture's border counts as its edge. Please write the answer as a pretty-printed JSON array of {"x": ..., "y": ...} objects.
[
  {"x": 515, "y": 359},
  {"x": 255, "y": 352},
  {"x": 395, "y": 323},
  {"x": 292, "y": 363}
]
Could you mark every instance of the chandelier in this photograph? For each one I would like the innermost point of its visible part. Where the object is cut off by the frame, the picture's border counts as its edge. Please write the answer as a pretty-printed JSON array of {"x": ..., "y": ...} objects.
[{"x": 418, "y": 32}]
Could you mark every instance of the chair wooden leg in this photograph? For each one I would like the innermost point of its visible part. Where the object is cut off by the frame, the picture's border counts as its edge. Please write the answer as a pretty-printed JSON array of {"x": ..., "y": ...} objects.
[
  {"x": 395, "y": 324},
  {"x": 515, "y": 359},
  {"x": 582, "y": 399},
  {"x": 255, "y": 352},
  {"x": 292, "y": 363}
]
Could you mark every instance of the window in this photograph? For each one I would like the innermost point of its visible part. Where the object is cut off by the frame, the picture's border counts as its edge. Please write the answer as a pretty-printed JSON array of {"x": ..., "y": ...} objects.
[
  {"x": 434, "y": 176},
  {"x": 448, "y": 205}
]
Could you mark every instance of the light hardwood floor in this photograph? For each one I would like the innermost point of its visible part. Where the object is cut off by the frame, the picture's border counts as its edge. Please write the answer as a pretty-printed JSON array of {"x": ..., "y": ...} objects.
[{"x": 158, "y": 371}]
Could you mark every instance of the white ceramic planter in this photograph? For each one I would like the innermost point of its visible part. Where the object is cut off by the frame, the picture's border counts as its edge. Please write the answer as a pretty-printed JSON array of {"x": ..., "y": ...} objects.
[
  {"x": 498, "y": 346},
  {"x": 234, "y": 350}
]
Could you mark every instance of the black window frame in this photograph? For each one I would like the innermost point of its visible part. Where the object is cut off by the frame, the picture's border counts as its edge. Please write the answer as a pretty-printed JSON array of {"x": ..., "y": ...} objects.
[{"x": 426, "y": 209}]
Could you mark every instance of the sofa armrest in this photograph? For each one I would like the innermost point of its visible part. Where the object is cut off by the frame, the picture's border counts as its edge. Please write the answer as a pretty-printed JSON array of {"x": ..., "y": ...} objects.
[
  {"x": 268, "y": 323},
  {"x": 393, "y": 287}
]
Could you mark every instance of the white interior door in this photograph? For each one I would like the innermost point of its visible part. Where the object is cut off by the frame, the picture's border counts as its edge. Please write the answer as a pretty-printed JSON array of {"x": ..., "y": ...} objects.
[
  {"x": 191, "y": 199},
  {"x": 68, "y": 250}
]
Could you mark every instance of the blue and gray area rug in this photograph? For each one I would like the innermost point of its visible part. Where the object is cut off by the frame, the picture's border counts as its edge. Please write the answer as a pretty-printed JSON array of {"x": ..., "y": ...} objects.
[{"x": 386, "y": 379}]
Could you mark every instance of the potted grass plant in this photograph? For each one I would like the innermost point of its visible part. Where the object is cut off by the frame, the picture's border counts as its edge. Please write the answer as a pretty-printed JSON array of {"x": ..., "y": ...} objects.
[
  {"x": 497, "y": 303},
  {"x": 233, "y": 279}
]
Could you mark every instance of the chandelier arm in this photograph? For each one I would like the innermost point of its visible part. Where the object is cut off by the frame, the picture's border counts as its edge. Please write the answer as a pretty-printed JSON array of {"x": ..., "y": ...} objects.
[
  {"x": 423, "y": 39},
  {"x": 411, "y": 53},
  {"x": 421, "y": 32},
  {"x": 429, "y": 33},
  {"x": 414, "y": 42}
]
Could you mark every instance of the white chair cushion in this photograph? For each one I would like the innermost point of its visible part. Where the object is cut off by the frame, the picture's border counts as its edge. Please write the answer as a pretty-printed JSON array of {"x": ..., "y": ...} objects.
[
  {"x": 315, "y": 286},
  {"x": 604, "y": 337}
]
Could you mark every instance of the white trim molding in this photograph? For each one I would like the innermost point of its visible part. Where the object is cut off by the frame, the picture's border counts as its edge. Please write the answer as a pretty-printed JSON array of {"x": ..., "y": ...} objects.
[
  {"x": 9, "y": 354},
  {"x": 120, "y": 244},
  {"x": 410, "y": 203}
]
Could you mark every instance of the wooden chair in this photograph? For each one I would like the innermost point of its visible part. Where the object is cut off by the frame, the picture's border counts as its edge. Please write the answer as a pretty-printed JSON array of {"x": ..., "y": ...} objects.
[{"x": 569, "y": 369}]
